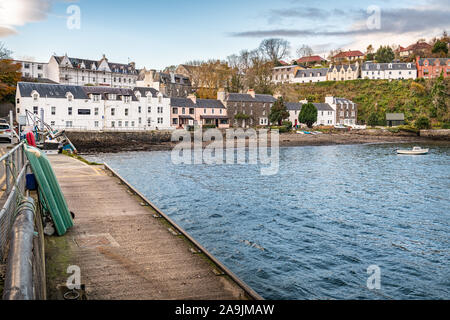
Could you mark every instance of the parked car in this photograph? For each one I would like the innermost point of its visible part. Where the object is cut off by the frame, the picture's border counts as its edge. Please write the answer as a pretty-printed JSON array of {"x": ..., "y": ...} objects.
[
  {"x": 5, "y": 132},
  {"x": 3, "y": 121}
]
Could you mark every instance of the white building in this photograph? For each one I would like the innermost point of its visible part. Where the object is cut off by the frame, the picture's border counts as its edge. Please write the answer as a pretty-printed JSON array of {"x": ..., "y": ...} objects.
[
  {"x": 94, "y": 108},
  {"x": 310, "y": 75},
  {"x": 33, "y": 70},
  {"x": 284, "y": 74},
  {"x": 75, "y": 71},
  {"x": 395, "y": 70},
  {"x": 325, "y": 113}
]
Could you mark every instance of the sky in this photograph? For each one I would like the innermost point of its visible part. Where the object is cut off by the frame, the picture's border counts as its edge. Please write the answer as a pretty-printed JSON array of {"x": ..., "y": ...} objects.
[{"x": 156, "y": 34}]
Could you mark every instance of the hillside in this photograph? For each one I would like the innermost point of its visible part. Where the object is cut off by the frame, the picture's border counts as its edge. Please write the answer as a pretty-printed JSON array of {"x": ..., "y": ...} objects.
[{"x": 412, "y": 97}]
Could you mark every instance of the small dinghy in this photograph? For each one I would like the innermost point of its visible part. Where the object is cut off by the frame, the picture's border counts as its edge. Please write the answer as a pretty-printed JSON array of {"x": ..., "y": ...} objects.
[{"x": 415, "y": 150}]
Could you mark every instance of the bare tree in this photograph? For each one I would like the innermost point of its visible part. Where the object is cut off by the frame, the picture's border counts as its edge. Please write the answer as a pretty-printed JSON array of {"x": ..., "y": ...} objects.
[
  {"x": 5, "y": 53},
  {"x": 274, "y": 49},
  {"x": 304, "y": 51}
]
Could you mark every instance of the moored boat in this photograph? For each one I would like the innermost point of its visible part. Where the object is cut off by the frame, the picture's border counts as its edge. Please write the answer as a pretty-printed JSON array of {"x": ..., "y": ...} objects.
[{"x": 414, "y": 151}]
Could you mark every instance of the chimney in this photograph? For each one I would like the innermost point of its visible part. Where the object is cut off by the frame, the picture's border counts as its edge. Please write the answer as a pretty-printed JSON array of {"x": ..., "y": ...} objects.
[
  {"x": 221, "y": 94},
  {"x": 251, "y": 92},
  {"x": 193, "y": 98},
  {"x": 303, "y": 101},
  {"x": 277, "y": 96},
  {"x": 329, "y": 100}
]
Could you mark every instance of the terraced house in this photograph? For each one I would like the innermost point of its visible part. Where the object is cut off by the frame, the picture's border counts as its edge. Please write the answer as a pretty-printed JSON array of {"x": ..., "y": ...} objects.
[
  {"x": 325, "y": 113},
  {"x": 430, "y": 68},
  {"x": 285, "y": 74},
  {"x": 346, "y": 111},
  {"x": 343, "y": 72},
  {"x": 247, "y": 109},
  {"x": 76, "y": 71},
  {"x": 311, "y": 75},
  {"x": 393, "y": 70}
]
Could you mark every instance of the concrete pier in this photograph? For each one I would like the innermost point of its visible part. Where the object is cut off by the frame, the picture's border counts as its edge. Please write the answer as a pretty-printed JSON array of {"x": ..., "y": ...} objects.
[{"x": 124, "y": 248}]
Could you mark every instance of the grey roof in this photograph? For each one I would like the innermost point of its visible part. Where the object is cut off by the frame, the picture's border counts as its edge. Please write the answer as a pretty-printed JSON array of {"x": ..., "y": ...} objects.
[
  {"x": 318, "y": 72},
  {"x": 342, "y": 101},
  {"x": 370, "y": 66},
  {"x": 353, "y": 67},
  {"x": 245, "y": 97},
  {"x": 182, "y": 102},
  {"x": 115, "y": 67},
  {"x": 105, "y": 91},
  {"x": 395, "y": 116},
  {"x": 293, "y": 106},
  {"x": 144, "y": 90},
  {"x": 209, "y": 103},
  {"x": 432, "y": 61},
  {"x": 57, "y": 91}
]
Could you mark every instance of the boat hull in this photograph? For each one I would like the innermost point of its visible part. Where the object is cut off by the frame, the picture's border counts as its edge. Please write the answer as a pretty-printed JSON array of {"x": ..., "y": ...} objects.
[{"x": 411, "y": 152}]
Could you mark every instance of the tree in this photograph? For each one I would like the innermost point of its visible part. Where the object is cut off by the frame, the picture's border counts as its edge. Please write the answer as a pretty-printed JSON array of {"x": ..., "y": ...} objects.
[
  {"x": 440, "y": 98},
  {"x": 372, "y": 120},
  {"x": 384, "y": 54},
  {"x": 9, "y": 76},
  {"x": 278, "y": 112},
  {"x": 422, "y": 123},
  {"x": 440, "y": 47},
  {"x": 369, "y": 53},
  {"x": 274, "y": 49},
  {"x": 304, "y": 51},
  {"x": 308, "y": 114},
  {"x": 5, "y": 53}
]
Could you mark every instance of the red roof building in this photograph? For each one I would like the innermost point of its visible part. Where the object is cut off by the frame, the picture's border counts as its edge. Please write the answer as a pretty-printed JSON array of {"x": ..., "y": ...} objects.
[
  {"x": 348, "y": 55},
  {"x": 310, "y": 60},
  {"x": 417, "y": 48}
]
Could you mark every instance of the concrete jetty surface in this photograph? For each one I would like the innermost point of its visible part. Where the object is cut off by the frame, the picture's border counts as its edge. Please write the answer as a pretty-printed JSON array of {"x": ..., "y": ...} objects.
[{"x": 124, "y": 251}]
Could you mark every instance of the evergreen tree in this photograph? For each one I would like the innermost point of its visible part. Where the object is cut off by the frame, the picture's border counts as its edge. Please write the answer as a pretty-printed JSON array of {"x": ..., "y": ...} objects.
[
  {"x": 278, "y": 112},
  {"x": 308, "y": 114}
]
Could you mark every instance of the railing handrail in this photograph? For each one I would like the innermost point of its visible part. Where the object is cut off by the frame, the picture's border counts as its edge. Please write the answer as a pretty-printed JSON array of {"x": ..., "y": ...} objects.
[{"x": 10, "y": 152}]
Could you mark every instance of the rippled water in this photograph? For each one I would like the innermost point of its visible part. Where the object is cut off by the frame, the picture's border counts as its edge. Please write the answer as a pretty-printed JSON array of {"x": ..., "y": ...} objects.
[{"x": 312, "y": 231}]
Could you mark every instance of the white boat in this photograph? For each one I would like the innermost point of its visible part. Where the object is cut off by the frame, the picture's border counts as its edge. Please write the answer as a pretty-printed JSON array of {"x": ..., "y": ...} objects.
[{"x": 415, "y": 150}]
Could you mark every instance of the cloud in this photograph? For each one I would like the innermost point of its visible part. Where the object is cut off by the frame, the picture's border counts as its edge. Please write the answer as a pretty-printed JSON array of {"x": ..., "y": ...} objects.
[
  {"x": 14, "y": 13},
  {"x": 393, "y": 21}
]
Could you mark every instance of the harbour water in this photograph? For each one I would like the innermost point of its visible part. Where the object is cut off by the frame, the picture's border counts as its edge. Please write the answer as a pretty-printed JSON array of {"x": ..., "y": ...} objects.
[{"x": 312, "y": 230}]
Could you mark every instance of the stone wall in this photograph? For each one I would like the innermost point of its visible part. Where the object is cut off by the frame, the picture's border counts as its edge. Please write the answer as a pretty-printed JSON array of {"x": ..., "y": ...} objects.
[
  {"x": 91, "y": 142},
  {"x": 442, "y": 134}
]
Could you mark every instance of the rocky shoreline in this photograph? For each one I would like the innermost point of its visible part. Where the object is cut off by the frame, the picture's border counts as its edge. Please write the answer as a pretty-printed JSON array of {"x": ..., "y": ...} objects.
[{"x": 161, "y": 142}]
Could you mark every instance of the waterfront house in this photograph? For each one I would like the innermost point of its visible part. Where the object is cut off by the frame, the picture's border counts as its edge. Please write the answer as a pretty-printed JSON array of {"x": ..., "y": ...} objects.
[
  {"x": 169, "y": 84},
  {"x": 33, "y": 70},
  {"x": 430, "y": 68},
  {"x": 310, "y": 75},
  {"x": 325, "y": 113},
  {"x": 346, "y": 111},
  {"x": 393, "y": 70},
  {"x": 395, "y": 119},
  {"x": 94, "y": 108},
  {"x": 246, "y": 109},
  {"x": 343, "y": 72}
]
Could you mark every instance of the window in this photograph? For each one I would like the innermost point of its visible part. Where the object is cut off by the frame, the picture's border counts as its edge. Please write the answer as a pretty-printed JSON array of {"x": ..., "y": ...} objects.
[
  {"x": 27, "y": 66},
  {"x": 52, "y": 123},
  {"x": 212, "y": 111},
  {"x": 35, "y": 97},
  {"x": 160, "y": 120},
  {"x": 183, "y": 110},
  {"x": 140, "y": 120},
  {"x": 120, "y": 123},
  {"x": 175, "y": 110},
  {"x": 174, "y": 121},
  {"x": 96, "y": 111},
  {"x": 96, "y": 124},
  {"x": 18, "y": 110},
  {"x": 69, "y": 124},
  {"x": 112, "y": 96},
  {"x": 126, "y": 124},
  {"x": 126, "y": 112},
  {"x": 127, "y": 99},
  {"x": 159, "y": 99},
  {"x": 113, "y": 124},
  {"x": 35, "y": 110},
  {"x": 204, "y": 111},
  {"x": 149, "y": 122},
  {"x": 160, "y": 109},
  {"x": 113, "y": 111},
  {"x": 95, "y": 97},
  {"x": 69, "y": 111},
  {"x": 84, "y": 112},
  {"x": 53, "y": 111},
  {"x": 132, "y": 123},
  {"x": 149, "y": 109},
  {"x": 191, "y": 111},
  {"x": 139, "y": 109}
]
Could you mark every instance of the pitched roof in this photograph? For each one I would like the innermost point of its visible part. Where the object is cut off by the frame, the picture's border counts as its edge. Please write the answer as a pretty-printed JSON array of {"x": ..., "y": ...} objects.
[
  {"x": 395, "y": 116},
  {"x": 114, "y": 67},
  {"x": 106, "y": 91},
  {"x": 350, "y": 53},
  {"x": 353, "y": 67},
  {"x": 182, "y": 102},
  {"x": 369, "y": 66},
  {"x": 297, "y": 106},
  {"x": 432, "y": 61},
  {"x": 144, "y": 90},
  {"x": 310, "y": 59},
  {"x": 209, "y": 103},
  {"x": 293, "y": 105},
  {"x": 416, "y": 46},
  {"x": 320, "y": 72},
  {"x": 56, "y": 91}
]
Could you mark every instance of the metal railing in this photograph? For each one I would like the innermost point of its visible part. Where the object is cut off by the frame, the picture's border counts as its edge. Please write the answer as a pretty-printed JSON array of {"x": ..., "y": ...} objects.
[{"x": 13, "y": 171}]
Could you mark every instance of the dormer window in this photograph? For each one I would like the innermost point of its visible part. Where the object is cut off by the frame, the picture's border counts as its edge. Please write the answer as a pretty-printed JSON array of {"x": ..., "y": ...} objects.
[
  {"x": 35, "y": 97},
  {"x": 112, "y": 96},
  {"x": 126, "y": 99},
  {"x": 378, "y": 66},
  {"x": 390, "y": 65},
  {"x": 96, "y": 97},
  {"x": 160, "y": 99},
  {"x": 408, "y": 65}
]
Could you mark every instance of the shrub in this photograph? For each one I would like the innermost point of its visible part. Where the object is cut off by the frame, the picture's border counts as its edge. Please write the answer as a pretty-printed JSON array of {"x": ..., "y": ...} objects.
[
  {"x": 287, "y": 124},
  {"x": 422, "y": 123},
  {"x": 281, "y": 129},
  {"x": 372, "y": 120},
  {"x": 308, "y": 114},
  {"x": 446, "y": 125},
  {"x": 209, "y": 126}
]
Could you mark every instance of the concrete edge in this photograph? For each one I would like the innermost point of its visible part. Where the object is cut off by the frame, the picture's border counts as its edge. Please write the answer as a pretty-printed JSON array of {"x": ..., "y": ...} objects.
[{"x": 249, "y": 291}]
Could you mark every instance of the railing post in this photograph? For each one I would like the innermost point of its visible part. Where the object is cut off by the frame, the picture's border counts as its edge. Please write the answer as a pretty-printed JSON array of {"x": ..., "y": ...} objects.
[{"x": 8, "y": 174}]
